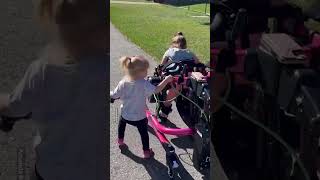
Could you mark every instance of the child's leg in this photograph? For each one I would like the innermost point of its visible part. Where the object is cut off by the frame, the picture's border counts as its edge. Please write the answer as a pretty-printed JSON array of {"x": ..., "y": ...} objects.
[
  {"x": 142, "y": 126},
  {"x": 172, "y": 93},
  {"x": 38, "y": 176},
  {"x": 35, "y": 175},
  {"x": 165, "y": 107},
  {"x": 121, "y": 128}
]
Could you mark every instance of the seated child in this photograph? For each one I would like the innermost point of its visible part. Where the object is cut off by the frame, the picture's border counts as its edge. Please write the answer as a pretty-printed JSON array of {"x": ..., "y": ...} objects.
[{"x": 176, "y": 53}]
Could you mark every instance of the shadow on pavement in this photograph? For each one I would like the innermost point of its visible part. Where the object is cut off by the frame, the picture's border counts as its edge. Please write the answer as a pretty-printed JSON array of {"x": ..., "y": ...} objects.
[
  {"x": 183, "y": 142},
  {"x": 156, "y": 169}
]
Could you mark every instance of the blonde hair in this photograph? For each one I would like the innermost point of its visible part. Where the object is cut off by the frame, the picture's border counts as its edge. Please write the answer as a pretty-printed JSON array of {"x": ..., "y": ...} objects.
[
  {"x": 81, "y": 24},
  {"x": 132, "y": 66},
  {"x": 179, "y": 41}
]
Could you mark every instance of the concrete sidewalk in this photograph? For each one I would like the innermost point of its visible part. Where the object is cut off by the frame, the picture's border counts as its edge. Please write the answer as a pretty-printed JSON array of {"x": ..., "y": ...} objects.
[{"x": 20, "y": 42}]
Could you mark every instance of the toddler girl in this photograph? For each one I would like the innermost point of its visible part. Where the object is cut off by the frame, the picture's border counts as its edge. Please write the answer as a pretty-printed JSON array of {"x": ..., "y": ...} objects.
[{"x": 133, "y": 90}]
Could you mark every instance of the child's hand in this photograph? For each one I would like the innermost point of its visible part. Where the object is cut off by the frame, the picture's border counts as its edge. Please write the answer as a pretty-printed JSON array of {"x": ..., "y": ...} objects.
[
  {"x": 6, "y": 125},
  {"x": 4, "y": 101},
  {"x": 163, "y": 84},
  {"x": 168, "y": 79}
]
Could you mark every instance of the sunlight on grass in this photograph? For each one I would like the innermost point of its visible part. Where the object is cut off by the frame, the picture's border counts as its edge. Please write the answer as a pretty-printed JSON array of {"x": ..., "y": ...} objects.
[
  {"x": 135, "y": 0},
  {"x": 152, "y": 27},
  {"x": 305, "y": 4},
  {"x": 202, "y": 8}
]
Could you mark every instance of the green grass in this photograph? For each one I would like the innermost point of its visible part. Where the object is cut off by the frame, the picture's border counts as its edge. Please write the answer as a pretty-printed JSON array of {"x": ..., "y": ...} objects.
[
  {"x": 152, "y": 26},
  {"x": 135, "y": 0},
  {"x": 199, "y": 8},
  {"x": 305, "y": 4}
]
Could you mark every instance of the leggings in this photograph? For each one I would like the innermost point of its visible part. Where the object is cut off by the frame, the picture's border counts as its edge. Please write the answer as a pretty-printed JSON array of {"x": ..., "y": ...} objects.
[
  {"x": 142, "y": 126},
  {"x": 35, "y": 175},
  {"x": 38, "y": 176}
]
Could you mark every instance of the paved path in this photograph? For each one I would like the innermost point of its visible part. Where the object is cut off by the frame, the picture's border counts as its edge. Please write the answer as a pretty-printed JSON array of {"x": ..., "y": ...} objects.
[
  {"x": 131, "y": 166},
  {"x": 20, "y": 41}
]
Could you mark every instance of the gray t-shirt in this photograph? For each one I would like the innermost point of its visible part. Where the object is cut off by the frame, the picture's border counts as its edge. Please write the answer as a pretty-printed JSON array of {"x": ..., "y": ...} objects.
[
  {"x": 133, "y": 95},
  {"x": 68, "y": 105},
  {"x": 177, "y": 54}
]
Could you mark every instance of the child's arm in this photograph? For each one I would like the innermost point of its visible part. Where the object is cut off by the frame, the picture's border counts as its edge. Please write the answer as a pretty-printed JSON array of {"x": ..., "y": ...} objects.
[
  {"x": 117, "y": 92},
  {"x": 151, "y": 89},
  {"x": 196, "y": 59},
  {"x": 24, "y": 97},
  {"x": 163, "y": 84},
  {"x": 164, "y": 60},
  {"x": 165, "y": 57}
]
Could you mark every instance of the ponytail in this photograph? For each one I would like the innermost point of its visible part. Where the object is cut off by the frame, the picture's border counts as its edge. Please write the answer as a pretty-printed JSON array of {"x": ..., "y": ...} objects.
[
  {"x": 178, "y": 34},
  {"x": 125, "y": 62},
  {"x": 133, "y": 65},
  {"x": 179, "y": 41}
]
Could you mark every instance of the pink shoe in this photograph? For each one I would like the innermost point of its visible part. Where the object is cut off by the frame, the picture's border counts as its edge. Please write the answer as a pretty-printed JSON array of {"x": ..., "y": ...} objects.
[
  {"x": 121, "y": 143},
  {"x": 148, "y": 154}
]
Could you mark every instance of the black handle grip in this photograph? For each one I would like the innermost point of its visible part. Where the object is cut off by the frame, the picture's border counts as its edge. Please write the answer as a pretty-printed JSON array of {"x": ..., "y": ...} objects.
[
  {"x": 7, "y": 123},
  {"x": 112, "y": 100}
]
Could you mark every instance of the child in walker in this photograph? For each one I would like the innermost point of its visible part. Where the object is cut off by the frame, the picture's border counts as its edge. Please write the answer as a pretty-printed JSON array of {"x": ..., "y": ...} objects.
[
  {"x": 133, "y": 90},
  {"x": 176, "y": 53}
]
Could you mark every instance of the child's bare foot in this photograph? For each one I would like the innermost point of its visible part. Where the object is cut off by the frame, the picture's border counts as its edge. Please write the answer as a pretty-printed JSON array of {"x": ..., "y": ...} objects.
[{"x": 148, "y": 154}]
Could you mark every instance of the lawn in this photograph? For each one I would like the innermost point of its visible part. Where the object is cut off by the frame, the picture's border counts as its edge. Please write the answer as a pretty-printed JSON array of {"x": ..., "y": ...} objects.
[
  {"x": 202, "y": 8},
  {"x": 151, "y": 27},
  {"x": 305, "y": 4},
  {"x": 135, "y": 0}
]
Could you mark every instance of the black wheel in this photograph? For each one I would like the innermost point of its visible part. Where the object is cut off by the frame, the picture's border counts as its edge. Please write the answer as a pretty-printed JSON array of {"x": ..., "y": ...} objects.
[
  {"x": 193, "y": 111},
  {"x": 304, "y": 131},
  {"x": 182, "y": 104},
  {"x": 201, "y": 153},
  {"x": 161, "y": 119},
  {"x": 196, "y": 158}
]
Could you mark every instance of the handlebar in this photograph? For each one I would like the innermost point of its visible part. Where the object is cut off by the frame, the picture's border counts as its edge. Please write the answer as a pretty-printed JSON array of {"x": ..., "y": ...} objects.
[
  {"x": 7, "y": 123},
  {"x": 112, "y": 100}
]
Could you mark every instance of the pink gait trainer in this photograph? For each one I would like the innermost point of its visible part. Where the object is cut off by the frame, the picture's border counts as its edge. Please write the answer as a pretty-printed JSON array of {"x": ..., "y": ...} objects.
[{"x": 148, "y": 154}]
